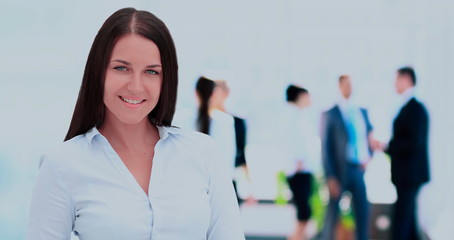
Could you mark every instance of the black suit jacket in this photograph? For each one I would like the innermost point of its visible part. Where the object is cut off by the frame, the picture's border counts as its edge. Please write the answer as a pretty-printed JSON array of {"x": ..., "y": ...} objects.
[
  {"x": 335, "y": 142},
  {"x": 408, "y": 147},
  {"x": 240, "y": 137}
]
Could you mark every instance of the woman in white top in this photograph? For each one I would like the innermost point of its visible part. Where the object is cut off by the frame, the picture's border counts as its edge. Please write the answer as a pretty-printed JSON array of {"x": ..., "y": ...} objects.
[
  {"x": 228, "y": 130},
  {"x": 123, "y": 171},
  {"x": 208, "y": 120},
  {"x": 299, "y": 145}
]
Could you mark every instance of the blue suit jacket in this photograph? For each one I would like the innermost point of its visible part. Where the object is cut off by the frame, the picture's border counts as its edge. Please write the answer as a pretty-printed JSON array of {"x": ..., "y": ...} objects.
[{"x": 335, "y": 142}]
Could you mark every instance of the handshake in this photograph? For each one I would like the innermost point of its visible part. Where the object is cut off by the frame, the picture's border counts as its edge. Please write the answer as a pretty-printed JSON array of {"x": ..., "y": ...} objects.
[{"x": 377, "y": 145}]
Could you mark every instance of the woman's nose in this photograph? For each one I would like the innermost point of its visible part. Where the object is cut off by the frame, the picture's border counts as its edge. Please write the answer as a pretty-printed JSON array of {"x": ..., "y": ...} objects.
[{"x": 136, "y": 83}]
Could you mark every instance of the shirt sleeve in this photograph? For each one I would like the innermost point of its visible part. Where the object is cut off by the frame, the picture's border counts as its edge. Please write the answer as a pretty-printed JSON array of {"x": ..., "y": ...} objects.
[
  {"x": 51, "y": 210},
  {"x": 225, "y": 218},
  {"x": 325, "y": 133}
]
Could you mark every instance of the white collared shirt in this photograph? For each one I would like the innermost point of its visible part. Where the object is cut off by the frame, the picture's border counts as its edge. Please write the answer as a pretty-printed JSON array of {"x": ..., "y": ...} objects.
[
  {"x": 84, "y": 187},
  {"x": 352, "y": 112},
  {"x": 406, "y": 96},
  {"x": 299, "y": 140},
  {"x": 402, "y": 100},
  {"x": 222, "y": 130}
]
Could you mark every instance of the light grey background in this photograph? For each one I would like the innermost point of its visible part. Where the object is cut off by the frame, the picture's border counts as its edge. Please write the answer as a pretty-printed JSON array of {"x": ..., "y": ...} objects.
[{"x": 257, "y": 46}]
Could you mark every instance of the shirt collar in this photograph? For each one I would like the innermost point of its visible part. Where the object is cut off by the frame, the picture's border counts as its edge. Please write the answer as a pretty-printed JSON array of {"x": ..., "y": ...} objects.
[
  {"x": 92, "y": 133},
  {"x": 345, "y": 104},
  {"x": 407, "y": 96},
  {"x": 164, "y": 133},
  {"x": 293, "y": 106},
  {"x": 217, "y": 114}
]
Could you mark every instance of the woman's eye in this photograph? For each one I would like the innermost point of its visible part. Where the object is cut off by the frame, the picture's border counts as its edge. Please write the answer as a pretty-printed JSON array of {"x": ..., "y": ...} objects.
[
  {"x": 120, "y": 68},
  {"x": 151, "y": 72}
]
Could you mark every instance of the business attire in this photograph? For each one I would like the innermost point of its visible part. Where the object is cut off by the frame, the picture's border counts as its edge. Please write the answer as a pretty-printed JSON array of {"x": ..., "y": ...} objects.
[
  {"x": 298, "y": 140},
  {"x": 240, "y": 143},
  {"x": 345, "y": 147},
  {"x": 84, "y": 187},
  {"x": 222, "y": 130},
  {"x": 408, "y": 150}
]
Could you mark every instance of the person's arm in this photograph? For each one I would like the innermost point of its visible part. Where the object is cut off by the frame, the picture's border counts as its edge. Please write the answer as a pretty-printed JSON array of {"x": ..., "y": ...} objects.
[
  {"x": 51, "y": 210},
  {"x": 372, "y": 142},
  {"x": 414, "y": 137},
  {"x": 240, "y": 139},
  {"x": 331, "y": 180},
  {"x": 370, "y": 134},
  {"x": 225, "y": 223},
  {"x": 325, "y": 136}
]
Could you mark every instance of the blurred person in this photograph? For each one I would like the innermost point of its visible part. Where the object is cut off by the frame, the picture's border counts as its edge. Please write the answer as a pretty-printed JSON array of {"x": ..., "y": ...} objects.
[
  {"x": 346, "y": 149},
  {"x": 217, "y": 102},
  {"x": 408, "y": 149},
  {"x": 211, "y": 118},
  {"x": 218, "y": 124},
  {"x": 298, "y": 139},
  {"x": 123, "y": 171}
]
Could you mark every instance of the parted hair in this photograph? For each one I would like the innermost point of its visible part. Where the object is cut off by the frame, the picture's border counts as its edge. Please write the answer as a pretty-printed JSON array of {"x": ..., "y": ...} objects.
[{"x": 90, "y": 109}]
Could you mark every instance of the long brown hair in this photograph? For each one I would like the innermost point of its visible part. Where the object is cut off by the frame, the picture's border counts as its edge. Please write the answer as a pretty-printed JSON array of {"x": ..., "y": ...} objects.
[
  {"x": 89, "y": 110},
  {"x": 204, "y": 89}
]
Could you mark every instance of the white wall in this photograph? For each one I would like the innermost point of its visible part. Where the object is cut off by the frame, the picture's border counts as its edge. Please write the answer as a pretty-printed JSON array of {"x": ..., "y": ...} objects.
[{"x": 258, "y": 46}]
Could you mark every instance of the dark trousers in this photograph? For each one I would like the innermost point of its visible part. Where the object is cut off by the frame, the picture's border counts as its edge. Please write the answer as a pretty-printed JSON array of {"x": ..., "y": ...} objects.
[
  {"x": 354, "y": 183},
  {"x": 235, "y": 187},
  {"x": 301, "y": 186},
  {"x": 404, "y": 218}
]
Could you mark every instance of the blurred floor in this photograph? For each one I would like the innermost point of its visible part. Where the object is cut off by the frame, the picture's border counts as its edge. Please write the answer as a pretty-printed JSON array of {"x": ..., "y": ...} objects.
[
  {"x": 265, "y": 238},
  {"x": 267, "y": 221}
]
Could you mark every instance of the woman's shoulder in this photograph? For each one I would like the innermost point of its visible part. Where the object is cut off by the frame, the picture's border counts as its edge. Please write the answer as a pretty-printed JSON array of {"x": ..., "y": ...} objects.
[
  {"x": 193, "y": 142},
  {"x": 218, "y": 115},
  {"x": 66, "y": 151},
  {"x": 197, "y": 138},
  {"x": 202, "y": 147}
]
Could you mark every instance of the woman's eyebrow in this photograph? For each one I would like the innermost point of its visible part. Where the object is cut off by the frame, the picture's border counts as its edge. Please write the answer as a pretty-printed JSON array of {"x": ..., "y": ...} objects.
[
  {"x": 129, "y": 64},
  {"x": 153, "y": 66},
  {"x": 122, "y": 61}
]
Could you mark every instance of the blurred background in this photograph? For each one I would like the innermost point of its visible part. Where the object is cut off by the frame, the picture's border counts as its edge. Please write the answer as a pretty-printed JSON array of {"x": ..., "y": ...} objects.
[{"x": 259, "y": 48}]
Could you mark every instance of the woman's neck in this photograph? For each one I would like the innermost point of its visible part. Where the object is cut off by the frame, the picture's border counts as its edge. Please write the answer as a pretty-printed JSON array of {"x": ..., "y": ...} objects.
[
  {"x": 219, "y": 107},
  {"x": 129, "y": 136}
]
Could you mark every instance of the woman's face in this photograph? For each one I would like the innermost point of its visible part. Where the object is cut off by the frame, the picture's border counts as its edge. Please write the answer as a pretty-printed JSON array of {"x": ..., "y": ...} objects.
[{"x": 133, "y": 80}]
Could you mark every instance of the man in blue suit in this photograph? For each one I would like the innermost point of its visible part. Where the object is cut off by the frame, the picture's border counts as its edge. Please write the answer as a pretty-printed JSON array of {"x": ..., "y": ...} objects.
[{"x": 346, "y": 137}]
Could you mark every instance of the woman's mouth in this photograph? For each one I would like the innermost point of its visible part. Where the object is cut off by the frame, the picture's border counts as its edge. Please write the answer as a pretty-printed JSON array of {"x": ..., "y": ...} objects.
[{"x": 132, "y": 101}]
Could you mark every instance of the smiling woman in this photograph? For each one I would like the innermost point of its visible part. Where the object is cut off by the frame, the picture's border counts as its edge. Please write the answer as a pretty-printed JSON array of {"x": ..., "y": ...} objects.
[
  {"x": 133, "y": 80},
  {"x": 123, "y": 171}
]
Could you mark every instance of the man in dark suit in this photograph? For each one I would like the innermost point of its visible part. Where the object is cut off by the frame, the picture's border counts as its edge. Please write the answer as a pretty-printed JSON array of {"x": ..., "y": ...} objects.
[
  {"x": 408, "y": 150},
  {"x": 346, "y": 135}
]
